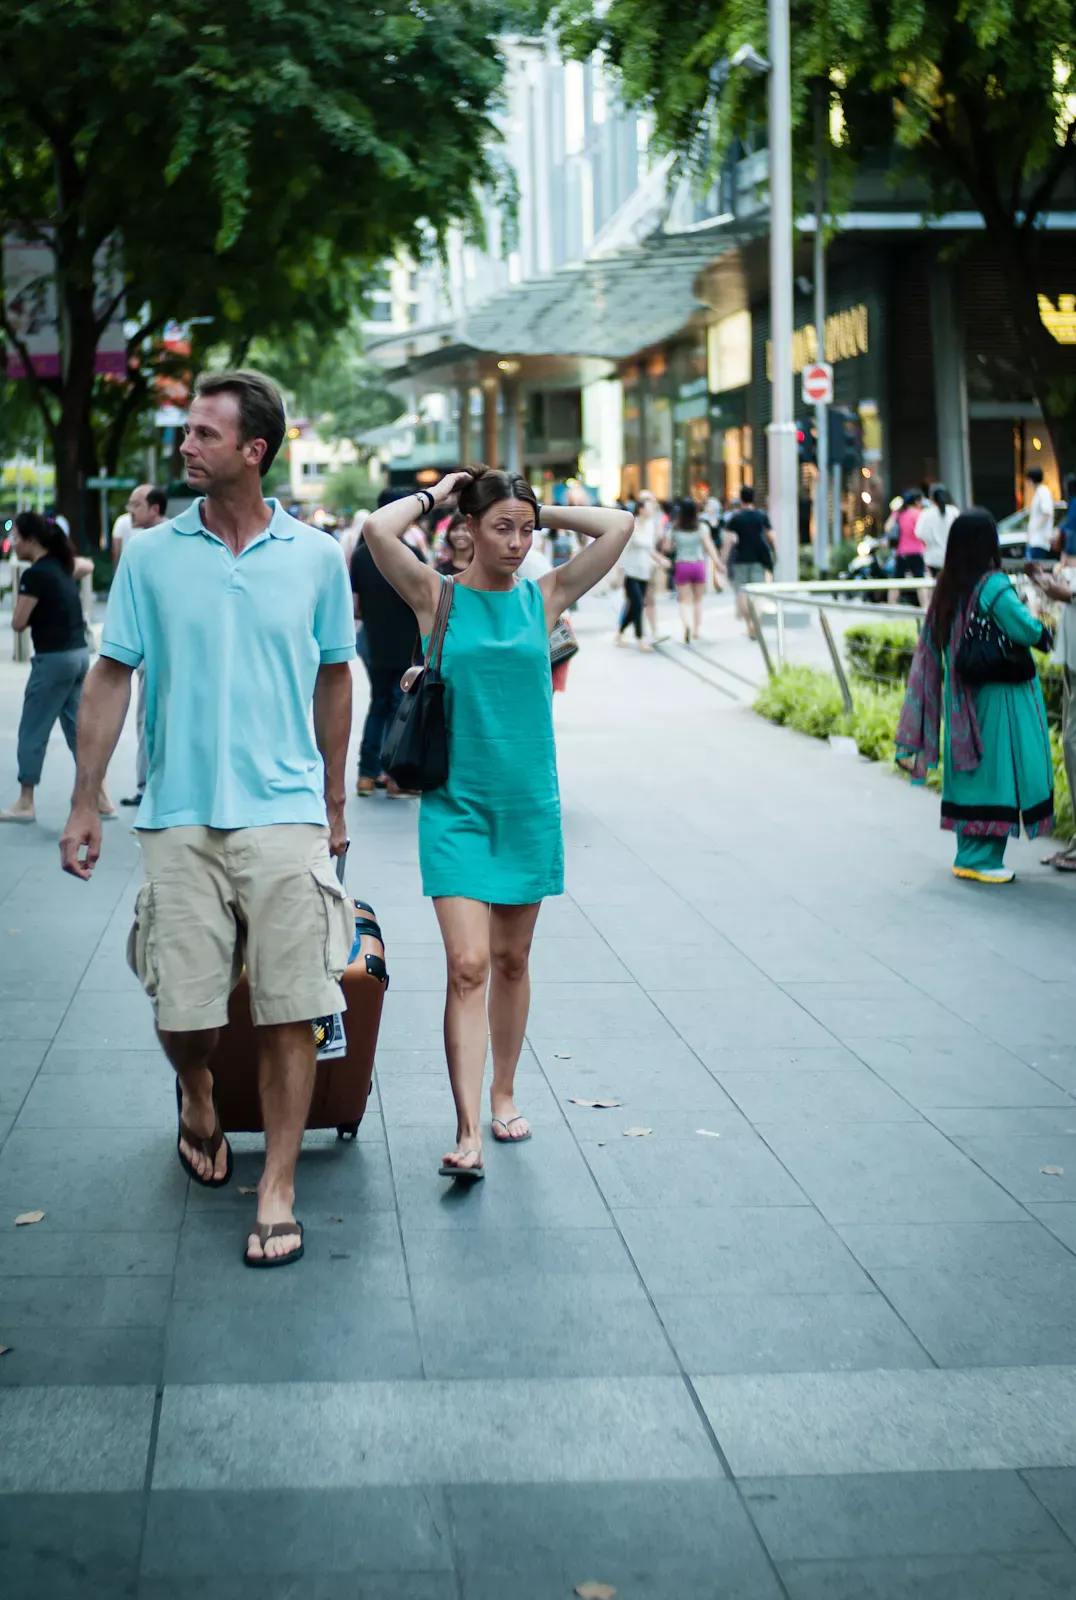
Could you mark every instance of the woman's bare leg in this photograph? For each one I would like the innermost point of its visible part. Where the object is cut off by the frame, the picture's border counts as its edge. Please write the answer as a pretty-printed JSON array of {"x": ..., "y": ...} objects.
[
  {"x": 511, "y": 930},
  {"x": 683, "y": 600},
  {"x": 698, "y": 592},
  {"x": 465, "y": 928}
]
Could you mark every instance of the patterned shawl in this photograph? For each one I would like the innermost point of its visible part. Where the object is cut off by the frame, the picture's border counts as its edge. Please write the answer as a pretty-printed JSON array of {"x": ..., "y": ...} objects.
[{"x": 919, "y": 728}]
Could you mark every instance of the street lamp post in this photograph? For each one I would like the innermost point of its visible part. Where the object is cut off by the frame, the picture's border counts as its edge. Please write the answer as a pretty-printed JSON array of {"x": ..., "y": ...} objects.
[
  {"x": 783, "y": 455},
  {"x": 821, "y": 426}
]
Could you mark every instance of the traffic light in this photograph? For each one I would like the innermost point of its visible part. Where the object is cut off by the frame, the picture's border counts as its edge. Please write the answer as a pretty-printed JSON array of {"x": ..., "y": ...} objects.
[
  {"x": 807, "y": 443},
  {"x": 845, "y": 440}
]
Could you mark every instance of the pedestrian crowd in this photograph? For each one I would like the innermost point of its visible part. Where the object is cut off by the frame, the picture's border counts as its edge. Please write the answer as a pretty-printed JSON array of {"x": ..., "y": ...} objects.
[{"x": 239, "y": 623}]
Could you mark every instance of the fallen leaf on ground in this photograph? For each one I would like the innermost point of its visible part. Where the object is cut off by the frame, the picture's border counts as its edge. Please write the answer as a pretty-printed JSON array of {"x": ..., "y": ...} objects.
[
  {"x": 26, "y": 1217},
  {"x": 242, "y": 1190},
  {"x": 597, "y": 1105},
  {"x": 1053, "y": 1172},
  {"x": 561, "y": 1058},
  {"x": 14, "y": 930},
  {"x": 5, "y": 1349},
  {"x": 636, "y": 1133},
  {"x": 339, "y": 1255},
  {"x": 595, "y": 1591},
  {"x": 336, "y": 1219},
  {"x": 708, "y": 1133}
]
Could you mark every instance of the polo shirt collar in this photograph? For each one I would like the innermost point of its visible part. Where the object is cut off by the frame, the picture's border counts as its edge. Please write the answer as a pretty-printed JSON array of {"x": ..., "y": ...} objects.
[{"x": 190, "y": 521}]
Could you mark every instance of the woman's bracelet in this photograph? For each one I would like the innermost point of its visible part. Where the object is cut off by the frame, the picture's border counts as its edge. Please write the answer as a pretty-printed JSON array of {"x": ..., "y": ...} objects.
[{"x": 424, "y": 494}]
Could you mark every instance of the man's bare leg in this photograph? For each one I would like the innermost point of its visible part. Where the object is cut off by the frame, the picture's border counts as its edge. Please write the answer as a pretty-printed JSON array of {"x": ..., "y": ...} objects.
[
  {"x": 286, "y": 1064},
  {"x": 189, "y": 1054}
]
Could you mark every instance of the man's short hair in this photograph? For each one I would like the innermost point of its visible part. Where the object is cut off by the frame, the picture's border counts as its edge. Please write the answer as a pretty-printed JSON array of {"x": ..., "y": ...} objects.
[
  {"x": 1034, "y": 474},
  {"x": 747, "y": 495},
  {"x": 261, "y": 410},
  {"x": 387, "y": 496},
  {"x": 157, "y": 497}
]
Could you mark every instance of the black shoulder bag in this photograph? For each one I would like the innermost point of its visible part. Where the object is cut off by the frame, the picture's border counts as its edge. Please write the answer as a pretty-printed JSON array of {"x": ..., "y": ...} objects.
[
  {"x": 415, "y": 750},
  {"x": 987, "y": 655}
]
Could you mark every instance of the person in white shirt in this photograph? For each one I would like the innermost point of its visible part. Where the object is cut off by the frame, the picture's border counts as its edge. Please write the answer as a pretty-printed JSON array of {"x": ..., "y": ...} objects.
[
  {"x": 933, "y": 526},
  {"x": 639, "y": 563},
  {"x": 1040, "y": 519},
  {"x": 146, "y": 508}
]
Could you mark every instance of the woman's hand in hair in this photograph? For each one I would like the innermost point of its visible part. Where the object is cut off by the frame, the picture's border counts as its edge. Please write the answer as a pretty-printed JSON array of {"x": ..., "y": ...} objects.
[{"x": 449, "y": 487}]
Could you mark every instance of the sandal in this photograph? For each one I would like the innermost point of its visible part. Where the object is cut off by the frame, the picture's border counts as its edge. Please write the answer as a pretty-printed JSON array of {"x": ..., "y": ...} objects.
[
  {"x": 275, "y": 1230},
  {"x": 206, "y": 1147},
  {"x": 463, "y": 1174},
  {"x": 506, "y": 1137},
  {"x": 1064, "y": 862}
]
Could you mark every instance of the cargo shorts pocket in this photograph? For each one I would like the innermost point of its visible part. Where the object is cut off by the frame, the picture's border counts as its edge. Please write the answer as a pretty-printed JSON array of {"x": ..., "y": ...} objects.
[
  {"x": 339, "y": 921},
  {"x": 142, "y": 942}
]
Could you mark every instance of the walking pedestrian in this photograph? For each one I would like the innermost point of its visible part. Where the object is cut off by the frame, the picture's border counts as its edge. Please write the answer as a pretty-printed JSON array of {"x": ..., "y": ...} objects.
[
  {"x": 694, "y": 547},
  {"x": 242, "y": 616},
  {"x": 639, "y": 563},
  {"x": 458, "y": 551},
  {"x": 933, "y": 528},
  {"x": 147, "y": 508},
  {"x": 49, "y": 604},
  {"x": 490, "y": 843},
  {"x": 998, "y": 768},
  {"x": 747, "y": 550},
  {"x": 390, "y": 634},
  {"x": 910, "y": 562},
  {"x": 649, "y": 513},
  {"x": 1040, "y": 518}
]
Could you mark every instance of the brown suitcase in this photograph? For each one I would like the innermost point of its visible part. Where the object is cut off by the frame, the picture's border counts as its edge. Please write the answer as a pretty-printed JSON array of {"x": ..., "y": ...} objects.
[{"x": 346, "y": 1044}]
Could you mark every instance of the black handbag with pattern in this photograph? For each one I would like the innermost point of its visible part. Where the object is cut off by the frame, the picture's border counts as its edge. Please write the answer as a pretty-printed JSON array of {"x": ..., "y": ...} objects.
[
  {"x": 987, "y": 655},
  {"x": 415, "y": 748}
]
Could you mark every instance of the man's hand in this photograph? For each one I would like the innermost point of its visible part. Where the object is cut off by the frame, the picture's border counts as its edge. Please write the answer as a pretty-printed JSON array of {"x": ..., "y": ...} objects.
[
  {"x": 337, "y": 829},
  {"x": 83, "y": 832}
]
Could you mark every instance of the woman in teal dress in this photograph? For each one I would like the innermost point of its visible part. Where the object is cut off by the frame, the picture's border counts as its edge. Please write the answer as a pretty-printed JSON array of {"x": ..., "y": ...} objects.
[
  {"x": 998, "y": 769},
  {"x": 490, "y": 843}
]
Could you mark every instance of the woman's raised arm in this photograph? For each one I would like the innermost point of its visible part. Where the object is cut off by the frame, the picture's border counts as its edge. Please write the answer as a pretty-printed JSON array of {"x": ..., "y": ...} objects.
[
  {"x": 383, "y": 531},
  {"x": 609, "y": 530}
]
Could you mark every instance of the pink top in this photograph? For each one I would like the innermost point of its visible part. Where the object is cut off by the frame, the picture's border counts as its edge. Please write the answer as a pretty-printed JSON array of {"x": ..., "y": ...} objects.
[{"x": 907, "y": 543}]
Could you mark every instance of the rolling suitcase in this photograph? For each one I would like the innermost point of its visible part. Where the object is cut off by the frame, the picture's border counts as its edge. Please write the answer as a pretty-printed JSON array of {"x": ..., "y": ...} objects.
[{"x": 346, "y": 1043}]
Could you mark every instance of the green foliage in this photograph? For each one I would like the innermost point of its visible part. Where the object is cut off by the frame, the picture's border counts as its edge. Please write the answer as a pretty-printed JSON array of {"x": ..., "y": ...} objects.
[
  {"x": 809, "y": 701},
  {"x": 804, "y": 699},
  {"x": 842, "y": 556},
  {"x": 329, "y": 381},
  {"x": 256, "y": 160},
  {"x": 880, "y": 650},
  {"x": 349, "y": 489}
]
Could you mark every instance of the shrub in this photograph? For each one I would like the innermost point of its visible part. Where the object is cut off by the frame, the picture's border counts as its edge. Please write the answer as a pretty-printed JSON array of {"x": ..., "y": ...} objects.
[
  {"x": 874, "y": 721},
  {"x": 805, "y": 699},
  {"x": 881, "y": 651}
]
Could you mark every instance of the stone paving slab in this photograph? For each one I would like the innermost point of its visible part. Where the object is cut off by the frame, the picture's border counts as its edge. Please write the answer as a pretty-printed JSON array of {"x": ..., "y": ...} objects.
[{"x": 832, "y": 1267}]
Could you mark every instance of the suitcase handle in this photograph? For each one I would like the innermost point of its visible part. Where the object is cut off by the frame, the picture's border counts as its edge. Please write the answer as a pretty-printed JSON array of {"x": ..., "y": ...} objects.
[{"x": 340, "y": 862}]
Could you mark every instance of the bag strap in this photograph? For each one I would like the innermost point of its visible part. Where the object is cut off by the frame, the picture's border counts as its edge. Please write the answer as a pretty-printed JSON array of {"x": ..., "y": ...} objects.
[{"x": 440, "y": 625}]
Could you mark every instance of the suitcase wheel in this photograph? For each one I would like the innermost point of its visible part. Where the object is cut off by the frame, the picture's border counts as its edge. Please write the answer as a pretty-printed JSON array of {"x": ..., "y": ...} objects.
[{"x": 347, "y": 1130}]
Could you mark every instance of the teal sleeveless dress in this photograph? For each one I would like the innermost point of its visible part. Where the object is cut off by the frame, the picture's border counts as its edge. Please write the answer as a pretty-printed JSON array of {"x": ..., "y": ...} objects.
[{"x": 493, "y": 832}]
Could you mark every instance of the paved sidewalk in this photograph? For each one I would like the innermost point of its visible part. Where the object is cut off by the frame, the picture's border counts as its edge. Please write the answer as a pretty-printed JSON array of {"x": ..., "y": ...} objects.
[{"x": 811, "y": 1335}]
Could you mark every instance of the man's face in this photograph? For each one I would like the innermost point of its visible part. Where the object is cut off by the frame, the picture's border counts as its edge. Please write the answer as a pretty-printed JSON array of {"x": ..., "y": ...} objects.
[
  {"x": 142, "y": 514},
  {"x": 213, "y": 454}
]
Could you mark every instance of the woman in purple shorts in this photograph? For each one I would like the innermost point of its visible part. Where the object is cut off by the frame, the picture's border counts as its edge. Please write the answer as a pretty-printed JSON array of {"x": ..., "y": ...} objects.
[{"x": 694, "y": 548}]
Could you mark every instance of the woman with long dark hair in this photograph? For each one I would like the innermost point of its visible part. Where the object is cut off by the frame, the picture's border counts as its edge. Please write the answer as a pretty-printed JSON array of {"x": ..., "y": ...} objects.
[
  {"x": 998, "y": 769},
  {"x": 490, "y": 844},
  {"x": 49, "y": 604}
]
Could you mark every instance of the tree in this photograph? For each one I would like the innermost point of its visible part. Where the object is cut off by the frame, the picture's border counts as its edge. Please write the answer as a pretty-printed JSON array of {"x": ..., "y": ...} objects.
[
  {"x": 254, "y": 160},
  {"x": 976, "y": 99},
  {"x": 330, "y": 381}
]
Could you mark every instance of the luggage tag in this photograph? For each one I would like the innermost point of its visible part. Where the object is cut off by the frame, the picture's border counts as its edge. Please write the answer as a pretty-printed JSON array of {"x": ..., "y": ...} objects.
[{"x": 330, "y": 1040}]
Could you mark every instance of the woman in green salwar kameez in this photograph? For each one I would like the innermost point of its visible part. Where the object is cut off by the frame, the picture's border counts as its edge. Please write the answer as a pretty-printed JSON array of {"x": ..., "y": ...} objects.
[{"x": 998, "y": 769}]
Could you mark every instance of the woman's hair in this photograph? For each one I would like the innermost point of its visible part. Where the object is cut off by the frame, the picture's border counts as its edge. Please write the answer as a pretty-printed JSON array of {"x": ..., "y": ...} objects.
[
  {"x": 488, "y": 486},
  {"x": 972, "y": 552},
  {"x": 940, "y": 496},
  {"x": 687, "y": 515},
  {"x": 49, "y": 535}
]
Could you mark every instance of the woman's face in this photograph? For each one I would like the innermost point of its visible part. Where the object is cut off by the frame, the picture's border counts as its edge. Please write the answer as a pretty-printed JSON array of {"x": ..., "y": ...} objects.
[
  {"x": 24, "y": 548},
  {"x": 647, "y": 505},
  {"x": 503, "y": 534}
]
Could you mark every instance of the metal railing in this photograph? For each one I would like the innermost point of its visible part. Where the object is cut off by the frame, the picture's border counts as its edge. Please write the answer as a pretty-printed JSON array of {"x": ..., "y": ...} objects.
[{"x": 822, "y": 595}]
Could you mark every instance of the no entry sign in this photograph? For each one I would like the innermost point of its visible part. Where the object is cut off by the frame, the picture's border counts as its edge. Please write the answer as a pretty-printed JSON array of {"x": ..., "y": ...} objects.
[{"x": 818, "y": 384}]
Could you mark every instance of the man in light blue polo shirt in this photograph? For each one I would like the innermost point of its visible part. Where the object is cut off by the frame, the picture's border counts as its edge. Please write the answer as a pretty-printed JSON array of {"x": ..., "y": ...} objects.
[{"x": 242, "y": 618}]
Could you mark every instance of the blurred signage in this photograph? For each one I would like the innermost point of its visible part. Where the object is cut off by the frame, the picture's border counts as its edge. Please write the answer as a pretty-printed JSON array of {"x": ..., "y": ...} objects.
[
  {"x": 1059, "y": 320},
  {"x": 728, "y": 352},
  {"x": 847, "y": 335},
  {"x": 30, "y": 295}
]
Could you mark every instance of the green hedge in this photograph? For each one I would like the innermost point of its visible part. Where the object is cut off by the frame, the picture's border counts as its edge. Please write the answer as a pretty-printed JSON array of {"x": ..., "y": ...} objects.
[
  {"x": 881, "y": 653},
  {"x": 809, "y": 701}
]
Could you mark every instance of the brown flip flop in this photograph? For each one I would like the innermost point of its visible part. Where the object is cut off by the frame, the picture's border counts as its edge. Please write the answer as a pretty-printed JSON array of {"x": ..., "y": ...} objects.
[
  {"x": 275, "y": 1230},
  {"x": 205, "y": 1147}
]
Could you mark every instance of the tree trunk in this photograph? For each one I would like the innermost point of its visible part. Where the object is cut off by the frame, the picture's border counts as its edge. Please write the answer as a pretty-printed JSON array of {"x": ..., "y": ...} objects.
[{"x": 74, "y": 421}]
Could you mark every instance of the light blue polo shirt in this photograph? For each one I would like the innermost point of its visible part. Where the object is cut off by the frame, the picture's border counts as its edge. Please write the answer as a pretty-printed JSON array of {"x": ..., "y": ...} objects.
[{"x": 232, "y": 647}]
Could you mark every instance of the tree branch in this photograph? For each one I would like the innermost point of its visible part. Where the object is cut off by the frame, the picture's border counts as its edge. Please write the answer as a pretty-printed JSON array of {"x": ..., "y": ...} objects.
[
  {"x": 38, "y": 392},
  {"x": 1055, "y": 170}
]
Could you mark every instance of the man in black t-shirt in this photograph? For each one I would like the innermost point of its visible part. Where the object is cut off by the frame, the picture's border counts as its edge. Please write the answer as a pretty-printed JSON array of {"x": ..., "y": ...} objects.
[
  {"x": 390, "y": 633},
  {"x": 748, "y": 549}
]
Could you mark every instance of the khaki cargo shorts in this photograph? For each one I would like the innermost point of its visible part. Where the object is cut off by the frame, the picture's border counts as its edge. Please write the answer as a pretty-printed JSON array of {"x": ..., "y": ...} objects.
[{"x": 214, "y": 901}]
